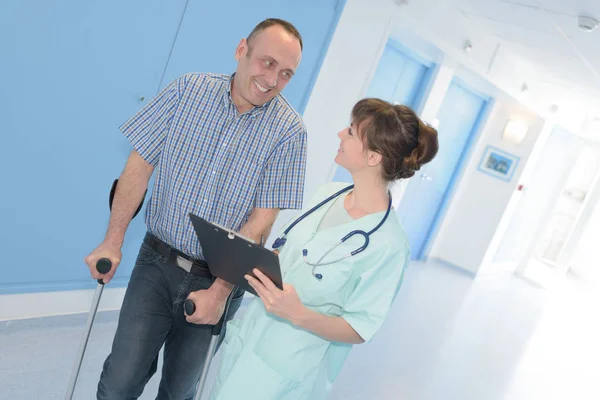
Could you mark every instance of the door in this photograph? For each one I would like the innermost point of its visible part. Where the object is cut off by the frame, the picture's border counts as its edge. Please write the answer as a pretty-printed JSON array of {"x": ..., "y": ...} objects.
[
  {"x": 428, "y": 190},
  {"x": 399, "y": 78}
]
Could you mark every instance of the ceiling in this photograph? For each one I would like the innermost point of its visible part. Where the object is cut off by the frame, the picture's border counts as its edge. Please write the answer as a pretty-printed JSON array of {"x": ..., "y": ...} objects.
[
  {"x": 546, "y": 34},
  {"x": 536, "y": 44}
]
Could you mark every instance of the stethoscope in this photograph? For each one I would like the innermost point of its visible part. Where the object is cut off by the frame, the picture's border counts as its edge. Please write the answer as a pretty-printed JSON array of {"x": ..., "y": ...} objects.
[{"x": 280, "y": 241}]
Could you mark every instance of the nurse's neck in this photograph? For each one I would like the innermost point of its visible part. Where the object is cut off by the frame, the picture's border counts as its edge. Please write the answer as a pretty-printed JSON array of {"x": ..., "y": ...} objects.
[{"x": 370, "y": 195}]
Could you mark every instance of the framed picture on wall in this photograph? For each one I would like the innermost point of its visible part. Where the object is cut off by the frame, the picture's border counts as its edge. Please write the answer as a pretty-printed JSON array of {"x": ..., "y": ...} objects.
[{"x": 498, "y": 163}]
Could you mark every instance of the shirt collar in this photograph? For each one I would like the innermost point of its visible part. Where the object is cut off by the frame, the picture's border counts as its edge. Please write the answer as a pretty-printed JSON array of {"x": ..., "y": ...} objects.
[{"x": 228, "y": 101}]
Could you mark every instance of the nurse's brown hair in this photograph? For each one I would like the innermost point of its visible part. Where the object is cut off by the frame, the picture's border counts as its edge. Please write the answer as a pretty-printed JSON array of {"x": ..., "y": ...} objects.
[{"x": 404, "y": 141}]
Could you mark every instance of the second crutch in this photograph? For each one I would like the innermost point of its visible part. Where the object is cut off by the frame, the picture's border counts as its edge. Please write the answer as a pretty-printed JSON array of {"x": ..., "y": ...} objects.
[
  {"x": 102, "y": 266},
  {"x": 216, "y": 332}
]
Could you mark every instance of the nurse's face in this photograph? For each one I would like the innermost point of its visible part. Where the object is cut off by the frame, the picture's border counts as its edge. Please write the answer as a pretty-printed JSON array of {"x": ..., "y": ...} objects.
[
  {"x": 354, "y": 155},
  {"x": 351, "y": 153}
]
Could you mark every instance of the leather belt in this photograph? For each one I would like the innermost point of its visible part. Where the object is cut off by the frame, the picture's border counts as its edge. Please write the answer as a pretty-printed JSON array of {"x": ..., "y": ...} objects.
[{"x": 177, "y": 258}]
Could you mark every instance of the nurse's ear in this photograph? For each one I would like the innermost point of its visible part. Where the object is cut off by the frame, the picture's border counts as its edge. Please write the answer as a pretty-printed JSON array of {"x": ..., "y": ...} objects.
[{"x": 373, "y": 158}]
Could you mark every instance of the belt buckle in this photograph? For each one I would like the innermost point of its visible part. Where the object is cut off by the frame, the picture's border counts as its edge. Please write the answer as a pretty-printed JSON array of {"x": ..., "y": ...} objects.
[{"x": 184, "y": 263}]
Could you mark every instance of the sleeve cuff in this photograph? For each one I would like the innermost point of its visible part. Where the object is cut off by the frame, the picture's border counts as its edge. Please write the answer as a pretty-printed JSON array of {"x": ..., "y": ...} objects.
[{"x": 364, "y": 329}]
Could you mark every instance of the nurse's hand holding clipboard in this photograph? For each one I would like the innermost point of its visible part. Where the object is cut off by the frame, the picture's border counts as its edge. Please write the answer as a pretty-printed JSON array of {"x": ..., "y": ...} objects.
[
  {"x": 282, "y": 303},
  {"x": 286, "y": 304}
]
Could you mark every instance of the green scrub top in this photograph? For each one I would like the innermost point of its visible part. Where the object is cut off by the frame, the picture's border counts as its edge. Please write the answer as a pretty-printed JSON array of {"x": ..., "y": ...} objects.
[{"x": 268, "y": 358}]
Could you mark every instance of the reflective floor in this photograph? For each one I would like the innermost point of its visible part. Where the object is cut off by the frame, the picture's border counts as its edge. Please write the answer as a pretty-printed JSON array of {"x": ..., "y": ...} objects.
[{"x": 448, "y": 337}]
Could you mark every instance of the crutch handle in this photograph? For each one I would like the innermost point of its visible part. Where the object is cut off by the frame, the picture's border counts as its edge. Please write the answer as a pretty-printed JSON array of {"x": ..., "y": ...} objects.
[
  {"x": 190, "y": 308},
  {"x": 103, "y": 265}
]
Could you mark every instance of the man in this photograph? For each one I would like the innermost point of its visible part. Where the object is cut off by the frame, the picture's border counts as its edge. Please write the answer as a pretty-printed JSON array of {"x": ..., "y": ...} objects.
[{"x": 230, "y": 149}]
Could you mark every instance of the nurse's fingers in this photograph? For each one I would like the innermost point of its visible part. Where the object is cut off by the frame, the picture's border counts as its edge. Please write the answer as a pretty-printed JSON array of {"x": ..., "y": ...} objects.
[
  {"x": 262, "y": 298},
  {"x": 265, "y": 280},
  {"x": 262, "y": 292}
]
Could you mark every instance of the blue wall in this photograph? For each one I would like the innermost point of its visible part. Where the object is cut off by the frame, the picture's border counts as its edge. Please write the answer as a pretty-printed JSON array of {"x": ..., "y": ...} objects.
[{"x": 71, "y": 73}]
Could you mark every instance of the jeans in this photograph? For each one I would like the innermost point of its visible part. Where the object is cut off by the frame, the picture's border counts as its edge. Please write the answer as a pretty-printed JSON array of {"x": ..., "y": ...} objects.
[{"x": 152, "y": 315}]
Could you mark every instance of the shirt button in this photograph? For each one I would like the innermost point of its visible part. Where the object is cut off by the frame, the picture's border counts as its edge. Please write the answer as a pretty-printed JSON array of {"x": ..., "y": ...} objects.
[
  {"x": 214, "y": 172},
  {"x": 205, "y": 200}
]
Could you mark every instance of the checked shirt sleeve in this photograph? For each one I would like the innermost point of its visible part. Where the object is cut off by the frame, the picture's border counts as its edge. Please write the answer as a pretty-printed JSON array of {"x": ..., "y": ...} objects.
[
  {"x": 147, "y": 129},
  {"x": 282, "y": 184}
]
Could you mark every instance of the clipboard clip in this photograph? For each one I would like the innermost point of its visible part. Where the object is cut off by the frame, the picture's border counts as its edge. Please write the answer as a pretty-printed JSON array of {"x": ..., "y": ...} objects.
[{"x": 232, "y": 235}]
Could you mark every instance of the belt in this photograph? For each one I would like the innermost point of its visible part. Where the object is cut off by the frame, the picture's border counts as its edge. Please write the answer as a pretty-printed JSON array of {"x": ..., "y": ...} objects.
[{"x": 177, "y": 258}]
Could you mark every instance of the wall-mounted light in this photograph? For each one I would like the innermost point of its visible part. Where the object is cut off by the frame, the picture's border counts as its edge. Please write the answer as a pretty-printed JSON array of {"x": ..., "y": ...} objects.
[{"x": 515, "y": 131}]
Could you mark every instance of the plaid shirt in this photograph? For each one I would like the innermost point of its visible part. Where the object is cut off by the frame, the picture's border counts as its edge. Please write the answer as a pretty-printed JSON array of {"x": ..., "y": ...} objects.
[{"x": 213, "y": 161}]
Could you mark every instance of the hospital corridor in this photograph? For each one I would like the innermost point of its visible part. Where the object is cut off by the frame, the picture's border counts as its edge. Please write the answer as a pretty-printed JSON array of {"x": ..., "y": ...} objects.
[{"x": 300, "y": 200}]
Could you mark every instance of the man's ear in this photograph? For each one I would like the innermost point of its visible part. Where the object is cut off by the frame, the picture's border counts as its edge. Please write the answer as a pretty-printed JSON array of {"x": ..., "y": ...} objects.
[{"x": 241, "y": 50}]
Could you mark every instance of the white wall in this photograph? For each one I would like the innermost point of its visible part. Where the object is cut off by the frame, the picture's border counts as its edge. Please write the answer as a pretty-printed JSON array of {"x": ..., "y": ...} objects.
[{"x": 480, "y": 200}]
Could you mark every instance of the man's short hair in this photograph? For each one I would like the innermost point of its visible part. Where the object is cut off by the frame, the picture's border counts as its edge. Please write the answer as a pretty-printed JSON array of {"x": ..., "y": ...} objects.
[{"x": 272, "y": 22}]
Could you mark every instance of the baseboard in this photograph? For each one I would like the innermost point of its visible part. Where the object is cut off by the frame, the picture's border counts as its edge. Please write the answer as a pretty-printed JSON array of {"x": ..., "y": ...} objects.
[
  {"x": 453, "y": 267},
  {"x": 49, "y": 304},
  {"x": 35, "y": 305},
  {"x": 59, "y": 286}
]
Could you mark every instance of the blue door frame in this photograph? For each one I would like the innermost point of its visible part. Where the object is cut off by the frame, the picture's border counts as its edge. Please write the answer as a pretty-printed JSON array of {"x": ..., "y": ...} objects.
[{"x": 460, "y": 166}]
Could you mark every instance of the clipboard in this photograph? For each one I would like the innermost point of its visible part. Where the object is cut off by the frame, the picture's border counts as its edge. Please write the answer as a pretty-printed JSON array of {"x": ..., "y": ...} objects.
[{"x": 230, "y": 256}]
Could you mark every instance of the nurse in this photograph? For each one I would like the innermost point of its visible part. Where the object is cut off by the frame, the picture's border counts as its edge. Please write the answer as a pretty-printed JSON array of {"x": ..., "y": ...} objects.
[{"x": 291, "y": 343}]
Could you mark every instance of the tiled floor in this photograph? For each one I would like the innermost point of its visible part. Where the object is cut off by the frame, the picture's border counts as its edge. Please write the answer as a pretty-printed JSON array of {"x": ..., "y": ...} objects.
[{"x": 448, "y": 337}]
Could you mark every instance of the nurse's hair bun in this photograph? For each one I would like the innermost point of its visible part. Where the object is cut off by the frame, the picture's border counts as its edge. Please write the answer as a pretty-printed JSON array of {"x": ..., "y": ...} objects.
[{"x": 404, "y": 141}]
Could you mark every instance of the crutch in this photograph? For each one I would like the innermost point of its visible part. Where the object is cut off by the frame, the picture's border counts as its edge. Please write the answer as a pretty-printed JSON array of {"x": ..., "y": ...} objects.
[
  {"x": 216, "y": 331},
  {"x": 103, "y": 265}
]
